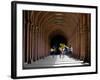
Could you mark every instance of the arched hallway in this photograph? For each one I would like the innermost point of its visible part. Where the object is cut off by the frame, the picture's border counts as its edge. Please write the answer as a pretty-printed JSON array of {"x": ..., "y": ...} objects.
[
  {"x": 43, "y": 30},
  {"x": 55, "y": 40}
]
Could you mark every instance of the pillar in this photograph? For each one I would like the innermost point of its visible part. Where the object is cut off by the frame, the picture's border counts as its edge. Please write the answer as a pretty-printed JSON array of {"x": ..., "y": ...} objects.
[{"x": 84, "y": 37}]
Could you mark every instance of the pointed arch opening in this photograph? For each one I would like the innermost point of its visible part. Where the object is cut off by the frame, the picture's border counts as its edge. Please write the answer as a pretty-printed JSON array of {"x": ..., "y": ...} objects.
[{"x": 55, "y": 38}]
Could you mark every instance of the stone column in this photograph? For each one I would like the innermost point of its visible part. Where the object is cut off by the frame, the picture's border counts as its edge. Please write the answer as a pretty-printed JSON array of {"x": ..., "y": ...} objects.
[
  {"x": 37, "y": 45},
  {"x": 88, "y": 37},
  {"x": 40, "y": 41},
  {"x": 78, "y": 39},
  {"x": 27, "y": 39},
  {"x": 77, "y": 42},
  {"x": 83, "y": 32}
]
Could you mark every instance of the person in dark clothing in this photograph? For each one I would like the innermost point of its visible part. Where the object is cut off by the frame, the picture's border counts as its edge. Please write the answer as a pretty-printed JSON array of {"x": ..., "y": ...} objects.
[
  {"x": 66, "y": 51},
  {"x": 70, "y": 50}
]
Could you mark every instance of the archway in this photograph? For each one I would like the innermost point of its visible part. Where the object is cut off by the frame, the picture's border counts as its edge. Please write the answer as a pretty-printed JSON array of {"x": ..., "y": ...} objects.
[{"x": 55, "y": 39}]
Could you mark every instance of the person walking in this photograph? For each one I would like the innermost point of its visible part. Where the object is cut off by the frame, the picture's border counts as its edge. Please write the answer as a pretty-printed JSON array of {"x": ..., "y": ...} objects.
[
  {"x": 62, "y": 48},
  {"x": 70, "y": 50}
]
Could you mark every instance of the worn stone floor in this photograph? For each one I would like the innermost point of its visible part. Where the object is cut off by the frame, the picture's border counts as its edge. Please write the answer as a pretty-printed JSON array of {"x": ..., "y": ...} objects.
[{"x": 55, "y": 60}]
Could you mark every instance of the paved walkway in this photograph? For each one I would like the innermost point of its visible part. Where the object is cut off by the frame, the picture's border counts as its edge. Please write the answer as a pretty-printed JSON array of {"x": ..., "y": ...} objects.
[{"x": 56, "y": 60}]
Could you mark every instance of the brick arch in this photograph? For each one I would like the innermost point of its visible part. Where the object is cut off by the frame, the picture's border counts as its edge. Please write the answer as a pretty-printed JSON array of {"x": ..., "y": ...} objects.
[
  {"x": 57, "y": 32},
  {"x": 54, "y": 33}
]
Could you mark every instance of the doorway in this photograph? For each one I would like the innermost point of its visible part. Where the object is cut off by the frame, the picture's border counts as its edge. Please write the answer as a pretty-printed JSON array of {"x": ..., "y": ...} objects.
[{"x": 55, "y": 41}]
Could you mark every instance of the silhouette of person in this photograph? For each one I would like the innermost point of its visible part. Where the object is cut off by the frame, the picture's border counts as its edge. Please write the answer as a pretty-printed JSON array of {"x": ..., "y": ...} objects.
[{"x": 70, "y": 50}]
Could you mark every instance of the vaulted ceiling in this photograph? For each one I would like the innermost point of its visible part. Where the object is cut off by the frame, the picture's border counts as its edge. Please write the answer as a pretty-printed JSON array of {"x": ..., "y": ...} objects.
[{"x": 57, "y": 20}]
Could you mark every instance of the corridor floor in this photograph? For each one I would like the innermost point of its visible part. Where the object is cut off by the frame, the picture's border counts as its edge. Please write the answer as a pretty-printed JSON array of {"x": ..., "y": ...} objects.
[{"x": 55, "y": 60}]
